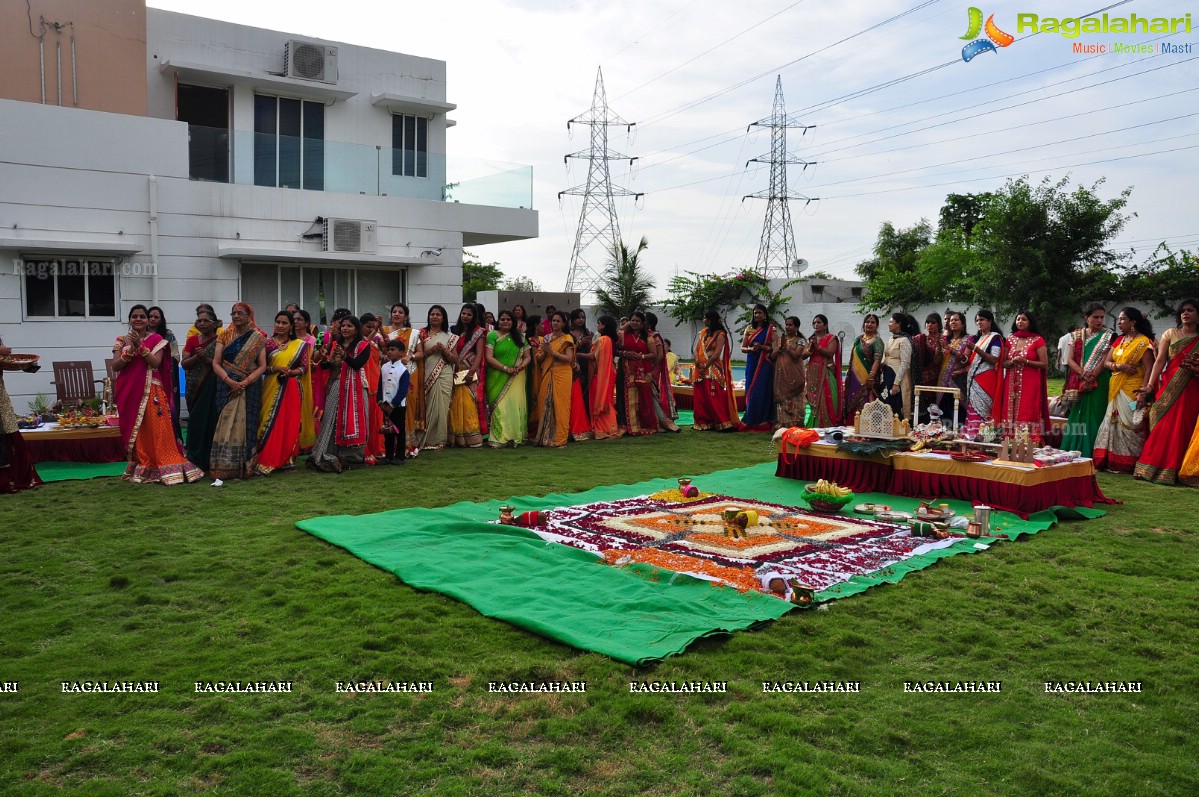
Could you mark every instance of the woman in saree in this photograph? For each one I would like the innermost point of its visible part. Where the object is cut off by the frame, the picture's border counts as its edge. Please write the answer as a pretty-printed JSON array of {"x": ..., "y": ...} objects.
[
  {"x": 824, "y": 374},
  {"x": 142, "y": 394},
  {"x": 533, "y": 338},
  {"x": 17, "y": 471},
  {"x": 282, "y": 414},
  {"x": 865, "y": 361},
  {"x": 303, "y": 326},
  {"x": 580, "y": 409},
  {"x": 1026, "y": 394},
  {"x": 414, "y": 413},
  {"x": 469, "y": 349},
  {"x": 341, "y": 439},
  {"x": 1121, "y": 438},
  {"x": 789, "y": 376},
  {"x": 601, "y": 364},
  {"x": 1166, "y": 457},
  {"x": 1087, "y": 356},
  {"x": 556, "y": 356},
  {"x": 757, "y": 344},
  {"x": 984, "y": 375},
  {"x": 931, "y": 349},
  {"x": 435, "y": 353},
  {"x": 520, "y": 317},
  {"x": 158, "y": 324},
  {"x": 957, "y": 362},
  {"x": 664, "y": 408},
  {"x": 198, "y": 354},
  {"x": 507, "y": 361},
  {"x": 636, "y": 411},
  {"x": 375, "y": 446},
  {"x": 239, "y": 363},
  {"x": 320, "y": 374},
  {"x": 715, "y": 406}
]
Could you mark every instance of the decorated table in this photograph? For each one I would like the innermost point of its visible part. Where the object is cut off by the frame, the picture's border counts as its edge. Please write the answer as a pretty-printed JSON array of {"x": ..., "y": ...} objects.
[
  {"x": 1014, "y": 487},
  {"x": 54, "y": 443}
]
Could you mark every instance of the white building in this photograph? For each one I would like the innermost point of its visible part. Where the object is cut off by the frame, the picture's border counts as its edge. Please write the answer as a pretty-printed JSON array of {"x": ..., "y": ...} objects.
[{"x": 159, "y": 158}]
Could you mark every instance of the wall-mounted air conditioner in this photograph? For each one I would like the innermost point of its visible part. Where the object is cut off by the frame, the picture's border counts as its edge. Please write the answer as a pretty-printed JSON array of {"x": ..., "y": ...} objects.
[
  {"x": 310, "y": 61},
  {"x": 349, "y": 235}
]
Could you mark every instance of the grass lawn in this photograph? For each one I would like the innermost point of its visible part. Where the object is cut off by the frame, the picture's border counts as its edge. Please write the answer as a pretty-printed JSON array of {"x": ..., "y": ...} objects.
[{"x": 102, "y": 580}]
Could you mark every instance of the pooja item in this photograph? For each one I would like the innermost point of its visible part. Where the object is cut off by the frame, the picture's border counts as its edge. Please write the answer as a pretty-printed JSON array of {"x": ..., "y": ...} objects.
[
  {"x": 869, "y": 509},
  {"x": 982, "y": 516},
  {"x": 878, "y": 420},
  {"x": 824, "y": 496},
  {"x": 688, "y": 489},
  {"x": 802, "y": 594},
  {"x": 891, "y": 516},
  {"x": 506, "y": 517},
  {"x": 24, "y": 360},
  {"x": 973, "y": 530}
]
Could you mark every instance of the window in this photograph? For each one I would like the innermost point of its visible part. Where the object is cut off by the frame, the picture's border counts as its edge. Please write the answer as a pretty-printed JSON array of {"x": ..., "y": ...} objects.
[
  {"x": 320, "y": 290},
  {"x": 289, "y": 143},
  {"x": 70, "y": 288},
  {"x": 206, "y": 111},
  {"x": 409, "y": 145}
]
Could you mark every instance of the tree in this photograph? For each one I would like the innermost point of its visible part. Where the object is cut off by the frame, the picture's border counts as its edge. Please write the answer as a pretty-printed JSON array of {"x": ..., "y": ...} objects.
[
  {"x": 691, "y": 295},
  {"x": 478, "y": 277},
  {"x": 1164, "y": 278},
  {"x": 890, "y": 274},
  {"x": 818, "y": 275},
  {"x": 1038, "y": 247},
  {"x": 520, "y": 283},
  {"x": 758, "y": 288},
  {"x": 626, "y": 285}
]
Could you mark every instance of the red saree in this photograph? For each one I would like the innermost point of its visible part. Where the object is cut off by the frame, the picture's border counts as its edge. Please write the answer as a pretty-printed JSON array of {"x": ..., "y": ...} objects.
[
  {"x": 824, "y": 383},
  {"x": 641, "y": 417},
  {"x": 1026, "y": 396},
  {"x": 1172, "y": 416},
  {"x": 374, "y": 415}
]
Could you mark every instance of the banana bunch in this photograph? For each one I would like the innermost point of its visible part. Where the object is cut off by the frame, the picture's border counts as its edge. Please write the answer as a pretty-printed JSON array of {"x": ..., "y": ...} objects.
[{"x": 825, "y": 487}]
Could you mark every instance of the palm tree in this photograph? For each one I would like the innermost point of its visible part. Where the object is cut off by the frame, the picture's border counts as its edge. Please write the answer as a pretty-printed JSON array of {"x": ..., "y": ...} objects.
[{"x": 626, "y": 285}]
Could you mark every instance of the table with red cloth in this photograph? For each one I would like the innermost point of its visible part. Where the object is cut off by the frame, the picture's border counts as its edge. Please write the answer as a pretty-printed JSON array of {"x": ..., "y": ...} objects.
[
  {"x": 53, "y": 443},
  {"x": 1013, "y": 488}
]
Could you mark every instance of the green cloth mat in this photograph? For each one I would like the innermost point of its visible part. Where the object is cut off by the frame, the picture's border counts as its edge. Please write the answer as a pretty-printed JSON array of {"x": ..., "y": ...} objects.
[
  {"x": 571, "y": 596},
  {"x": 65, "y": 471},
  {"x": 686, "y": 418}
]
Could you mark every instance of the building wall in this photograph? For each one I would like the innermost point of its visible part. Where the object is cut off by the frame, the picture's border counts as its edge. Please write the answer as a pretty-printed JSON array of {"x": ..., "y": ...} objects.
[
  {"x": 108, "y": 69},
  {"x": 355, "y": 130}
]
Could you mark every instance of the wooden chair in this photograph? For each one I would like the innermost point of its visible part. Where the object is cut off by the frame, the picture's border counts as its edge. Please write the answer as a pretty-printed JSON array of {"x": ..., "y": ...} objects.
[{"x": 74, "y": 381}]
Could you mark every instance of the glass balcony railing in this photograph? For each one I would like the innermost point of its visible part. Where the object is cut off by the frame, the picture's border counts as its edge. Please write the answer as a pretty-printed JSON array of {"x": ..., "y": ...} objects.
[{"x": 247, "y": 158}]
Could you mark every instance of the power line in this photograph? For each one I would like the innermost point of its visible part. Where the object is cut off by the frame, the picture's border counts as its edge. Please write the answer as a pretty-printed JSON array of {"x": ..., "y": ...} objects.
[
  {"x": 694, "y": 103},
  {"x": 1012, "y": 174}
]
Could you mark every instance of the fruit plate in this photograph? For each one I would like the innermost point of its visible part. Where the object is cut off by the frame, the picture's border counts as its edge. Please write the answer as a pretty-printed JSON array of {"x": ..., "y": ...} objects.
[{"x": 823, "y": 502}]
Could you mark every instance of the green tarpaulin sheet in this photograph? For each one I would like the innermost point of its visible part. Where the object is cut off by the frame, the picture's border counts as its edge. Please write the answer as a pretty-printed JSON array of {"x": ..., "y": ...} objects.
[{"x": 571, "y": 596}]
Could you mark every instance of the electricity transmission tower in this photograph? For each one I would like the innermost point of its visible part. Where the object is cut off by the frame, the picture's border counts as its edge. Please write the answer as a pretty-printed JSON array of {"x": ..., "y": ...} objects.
[
  {"x": 599, "y": 229},
  {"x": 776, "y": 252}
]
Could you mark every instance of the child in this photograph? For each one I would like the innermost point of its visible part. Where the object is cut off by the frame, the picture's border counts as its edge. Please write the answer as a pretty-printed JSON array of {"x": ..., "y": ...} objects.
[{"x": 393, "y": 401}]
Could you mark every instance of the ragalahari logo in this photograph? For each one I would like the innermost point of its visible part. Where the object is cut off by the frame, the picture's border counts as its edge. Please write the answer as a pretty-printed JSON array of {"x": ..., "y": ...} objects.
[{"x": 995, "y": 37}]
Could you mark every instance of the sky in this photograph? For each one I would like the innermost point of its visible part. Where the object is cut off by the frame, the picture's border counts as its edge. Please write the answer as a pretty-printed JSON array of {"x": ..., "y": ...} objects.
[{"x": 900, "y": 120}]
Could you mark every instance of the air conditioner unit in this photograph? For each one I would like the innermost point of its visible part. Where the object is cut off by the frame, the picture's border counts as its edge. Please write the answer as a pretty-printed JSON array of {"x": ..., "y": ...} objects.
[
  {"x": 348, "y": 235},
  {"x": 310, "y": 61}
]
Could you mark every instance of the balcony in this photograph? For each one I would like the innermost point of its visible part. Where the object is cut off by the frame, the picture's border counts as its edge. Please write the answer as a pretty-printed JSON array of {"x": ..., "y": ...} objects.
[{"x": 246, "y": 158}]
